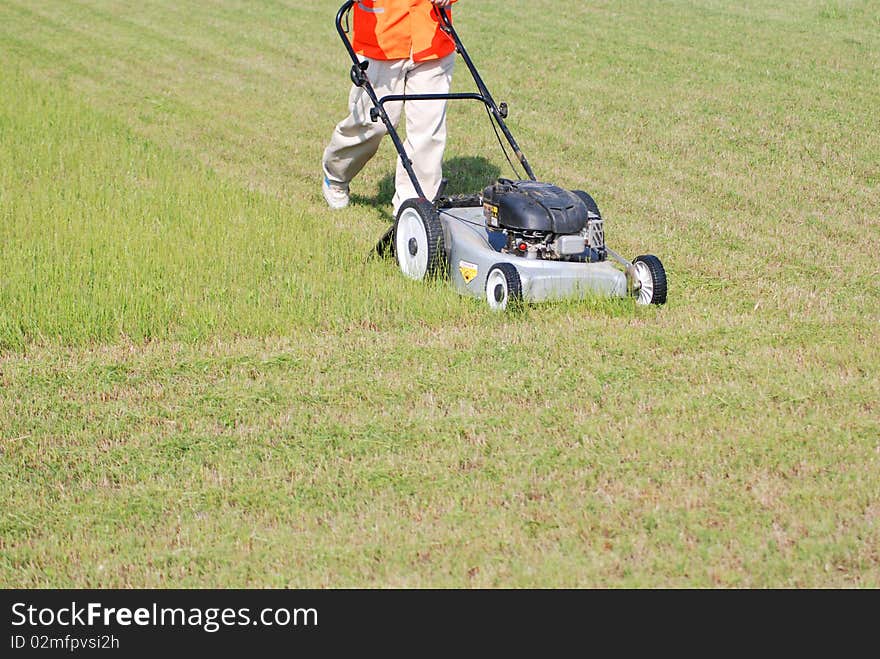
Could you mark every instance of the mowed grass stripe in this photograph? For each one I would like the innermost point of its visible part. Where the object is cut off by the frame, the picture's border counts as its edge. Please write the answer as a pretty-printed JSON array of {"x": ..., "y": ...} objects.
[
  {"x": 399, "y": 459},
  {"x": 206, "y": 76}
]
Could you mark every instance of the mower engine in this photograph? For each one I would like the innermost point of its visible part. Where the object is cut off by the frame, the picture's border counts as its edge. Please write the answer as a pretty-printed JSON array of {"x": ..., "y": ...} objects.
[{"x": 543, "y": 221}]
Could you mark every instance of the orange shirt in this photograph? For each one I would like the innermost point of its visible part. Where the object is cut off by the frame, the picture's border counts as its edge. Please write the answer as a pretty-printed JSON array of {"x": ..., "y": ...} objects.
[{"x": 399, "y": 29}]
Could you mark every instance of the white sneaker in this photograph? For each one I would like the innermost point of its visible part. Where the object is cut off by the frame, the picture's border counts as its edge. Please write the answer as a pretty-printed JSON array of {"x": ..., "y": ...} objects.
[{"x": 336, "y": 194}]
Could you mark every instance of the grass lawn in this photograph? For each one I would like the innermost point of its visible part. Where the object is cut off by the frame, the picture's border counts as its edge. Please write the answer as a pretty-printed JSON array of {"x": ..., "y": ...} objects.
[{"x": 205, "y": 382}]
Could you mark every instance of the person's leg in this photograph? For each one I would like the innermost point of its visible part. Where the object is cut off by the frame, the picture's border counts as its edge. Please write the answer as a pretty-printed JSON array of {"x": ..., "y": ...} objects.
[
  {"x": 356, "y": 138},
  {"x": 425, "y": 128}
]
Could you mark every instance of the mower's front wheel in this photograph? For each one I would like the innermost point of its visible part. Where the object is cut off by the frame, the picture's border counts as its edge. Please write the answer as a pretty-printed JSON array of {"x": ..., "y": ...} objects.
[
  {"x": 418, "y": 239},
  {"x": 651, "y": 277},
  {"x": 503, "y": 286}
]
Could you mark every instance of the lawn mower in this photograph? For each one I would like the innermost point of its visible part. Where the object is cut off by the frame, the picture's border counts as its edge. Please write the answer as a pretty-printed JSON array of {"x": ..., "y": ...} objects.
[{"x": 518, "y": 240}]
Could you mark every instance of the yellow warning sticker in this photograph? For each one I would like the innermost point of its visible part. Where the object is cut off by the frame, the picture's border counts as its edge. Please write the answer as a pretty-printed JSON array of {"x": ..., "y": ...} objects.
[{"x": 468, "y": 271}]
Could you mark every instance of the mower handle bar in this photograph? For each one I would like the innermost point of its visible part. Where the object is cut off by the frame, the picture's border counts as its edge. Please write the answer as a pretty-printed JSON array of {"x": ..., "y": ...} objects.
[{"x": 359, "y": 78}]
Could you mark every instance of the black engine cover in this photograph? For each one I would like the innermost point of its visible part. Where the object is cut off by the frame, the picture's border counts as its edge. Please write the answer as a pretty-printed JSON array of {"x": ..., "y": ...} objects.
[{"x": 533, "y": 206}]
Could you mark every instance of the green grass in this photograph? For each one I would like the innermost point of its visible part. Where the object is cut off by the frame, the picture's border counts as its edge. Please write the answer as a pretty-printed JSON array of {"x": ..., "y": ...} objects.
[{"x": 205, "y": 382}]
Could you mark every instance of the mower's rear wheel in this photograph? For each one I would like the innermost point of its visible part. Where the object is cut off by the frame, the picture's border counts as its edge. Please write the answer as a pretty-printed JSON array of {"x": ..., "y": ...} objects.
[
  {"x": 651, "y": 277},
  {"x": 418, "y": 239},
  {"x": 503, "y": 287},
  {"x": 589, "y": 202}
]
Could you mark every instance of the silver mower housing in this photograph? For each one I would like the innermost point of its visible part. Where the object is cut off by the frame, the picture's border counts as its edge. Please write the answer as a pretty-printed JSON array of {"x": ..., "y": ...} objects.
[{"x": 471, "y": 256}]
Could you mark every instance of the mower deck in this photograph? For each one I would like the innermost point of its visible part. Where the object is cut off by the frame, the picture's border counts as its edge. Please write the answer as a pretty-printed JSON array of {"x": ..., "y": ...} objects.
[{"x": 471, "y": 253}]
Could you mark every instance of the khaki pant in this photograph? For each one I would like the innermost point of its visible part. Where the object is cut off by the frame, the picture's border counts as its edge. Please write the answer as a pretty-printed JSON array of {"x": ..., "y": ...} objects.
[{"x": 356, "y": 139}]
